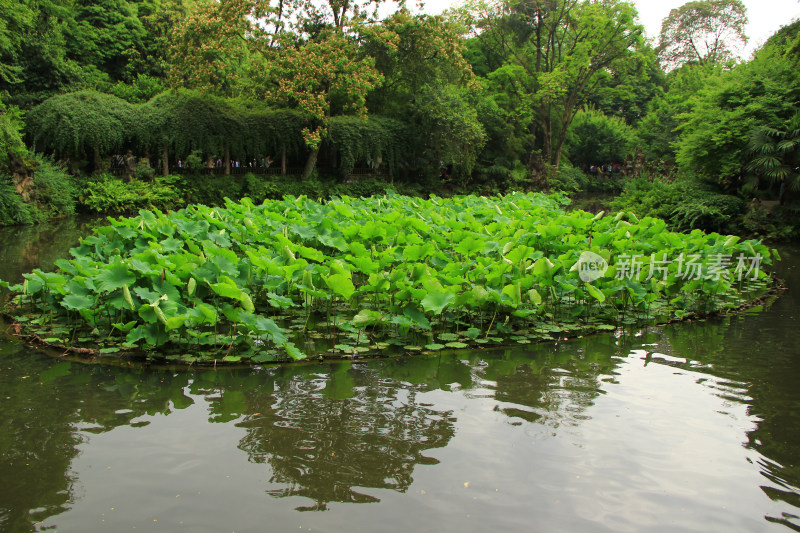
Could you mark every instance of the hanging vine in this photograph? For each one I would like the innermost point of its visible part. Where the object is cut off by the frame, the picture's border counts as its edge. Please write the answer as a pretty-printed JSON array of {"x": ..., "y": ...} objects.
[
  {"x": 376, "y": 139},
  {"x": 83, "y": 123}
]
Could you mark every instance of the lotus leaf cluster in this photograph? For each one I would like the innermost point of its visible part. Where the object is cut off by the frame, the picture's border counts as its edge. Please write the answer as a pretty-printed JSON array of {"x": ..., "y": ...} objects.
[{"x": 348, "y": 277}]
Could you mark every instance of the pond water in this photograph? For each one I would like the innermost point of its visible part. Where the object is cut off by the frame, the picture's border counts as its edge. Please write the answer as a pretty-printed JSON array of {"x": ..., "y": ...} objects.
[{"x": 690, "y": 427}]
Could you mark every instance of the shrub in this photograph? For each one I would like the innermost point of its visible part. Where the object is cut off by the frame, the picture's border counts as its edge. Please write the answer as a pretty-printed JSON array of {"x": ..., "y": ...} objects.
[
  {"x": 211, "y": 190},
  {"x": 12, "y": 209},
  {"x": 684, "y": 204},
  {"x": 108, "y": 194},
  {"x": 56, "y": 190},
  {"x": 568, "y": 179},
  {"x": 595, "y": 139}
]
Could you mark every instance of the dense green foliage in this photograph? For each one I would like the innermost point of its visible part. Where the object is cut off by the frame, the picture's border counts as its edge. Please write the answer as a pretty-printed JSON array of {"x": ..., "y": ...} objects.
[
  {"x": 52, "y": 46},
  {"x": 53, "y": 193},
  {"x": 11, "y": 144},
  {"x": 762, "y": 93},
  {"x": 83, "y": 124},
  {"x": 683, "y": 204},
  {"x": 241, "y": 282},
  {"x": 488, "y": 97},
  {"x": 594, "y": 139},
  {"x": 107, "y": 194}
]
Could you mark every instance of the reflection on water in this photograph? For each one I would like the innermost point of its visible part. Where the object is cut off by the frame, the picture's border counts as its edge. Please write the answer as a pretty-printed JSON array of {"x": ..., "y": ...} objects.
[
  {"x": 691, "y": 427},
  {"x": 23, "y": 248},
  {"x": 330, "y": 437}
]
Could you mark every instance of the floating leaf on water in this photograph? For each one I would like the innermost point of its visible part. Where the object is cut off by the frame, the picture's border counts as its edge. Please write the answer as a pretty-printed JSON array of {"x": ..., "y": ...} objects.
[
  {"x": 448, "y": 336},
  {"x": 265, "y": 357},
  {"x": 434, "y": 346},
  {"x": 457, "y": 345},
  {"x": 472, "y": 333},
  {"x": 109, "y": 350}
]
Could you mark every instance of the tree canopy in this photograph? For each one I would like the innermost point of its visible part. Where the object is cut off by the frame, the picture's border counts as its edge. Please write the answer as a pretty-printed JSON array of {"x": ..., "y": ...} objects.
[
  {"x": 704, "y": 31},
  {"x": 493, "y": 94},
  {"x": 551, "y": 56}
]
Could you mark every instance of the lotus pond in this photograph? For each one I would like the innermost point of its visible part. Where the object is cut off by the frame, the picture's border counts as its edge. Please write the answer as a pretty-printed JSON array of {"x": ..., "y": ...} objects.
[
  {"x": 362, "y": 277},
  {"x": 685, "y": 427}
]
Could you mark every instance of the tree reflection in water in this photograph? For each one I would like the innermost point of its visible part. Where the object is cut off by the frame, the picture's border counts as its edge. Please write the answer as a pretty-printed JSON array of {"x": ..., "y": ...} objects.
[{"x": 331, "y": 436}]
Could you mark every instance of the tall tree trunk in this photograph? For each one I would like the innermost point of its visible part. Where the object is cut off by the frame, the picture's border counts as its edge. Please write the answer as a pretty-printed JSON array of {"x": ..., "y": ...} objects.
[
  {"x": 283, "y": 161},
  {"x": 227, "y": 160},
  {"x": 311, "y": 163},
  {"x": 164, "y": 161},
  {"x": 96, "y": 160}
]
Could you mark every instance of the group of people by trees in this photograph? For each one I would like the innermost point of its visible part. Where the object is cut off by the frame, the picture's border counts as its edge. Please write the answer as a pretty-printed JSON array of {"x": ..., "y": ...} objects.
[{"x": 509, "y": 93}]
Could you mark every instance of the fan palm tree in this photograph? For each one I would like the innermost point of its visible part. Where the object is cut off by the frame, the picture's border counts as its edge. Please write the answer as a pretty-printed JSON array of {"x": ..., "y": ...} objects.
[{"x": 777, "y": 155}]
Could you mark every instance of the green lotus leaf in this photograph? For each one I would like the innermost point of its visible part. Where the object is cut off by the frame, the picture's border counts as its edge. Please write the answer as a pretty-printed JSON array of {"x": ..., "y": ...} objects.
[
  {"x": 436, "y": 302},
  {"x": 75, "y": 302},
  {"x": 457, "y": 345},
  {"x": 341, "y": 285},
  {"x": 294, "y": 352},
  {"x": 113, "y": 277},
  {"x": 368, "y": 317}
]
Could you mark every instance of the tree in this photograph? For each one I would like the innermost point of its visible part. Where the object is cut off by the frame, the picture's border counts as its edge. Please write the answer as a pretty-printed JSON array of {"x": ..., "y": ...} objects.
[
  {"x": 627, "y": 90},
  {"x": 777, "y": 155},
  {"x": 158, "y": 17},
  {"x": 763, "y": 93},
  {"x": 11, "y": 146},
  {"x": 15, "y": 18},
  {"x": 705, "y": 31},
  {"x": 83, "y": 124},
  {"x": 658, "y": 131},
  {"x": 554, "y": 54},
  {"x": 301, "y": 54},
  {"x": 314, "y": 73},
  {"x": 33, "y": 50},
  {"x": 182, "y": 121},
  {"x": 429, "y": 85},
  {"x": 106, "y": 35},
  {"x": 596, "y": 139}
]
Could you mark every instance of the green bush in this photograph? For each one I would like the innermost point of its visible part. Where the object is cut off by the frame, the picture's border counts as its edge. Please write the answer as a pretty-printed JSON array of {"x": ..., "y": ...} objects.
[
  {"x": 596, "y": 139},
  {"x": 568, "y": 179},
  {"x": 684, "y": 204},
  {"x": 11, "y": 145},
  {"x": 13, "y": 210},
  {"x": 54, "y": 194},
  {"x": 56, "y": 190},
  {"x": 109, "y": 194},
  {"x": 257, "y": 188},
  {"x": 781, "y": 223},
  {"x": 211, "y": 189}
]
